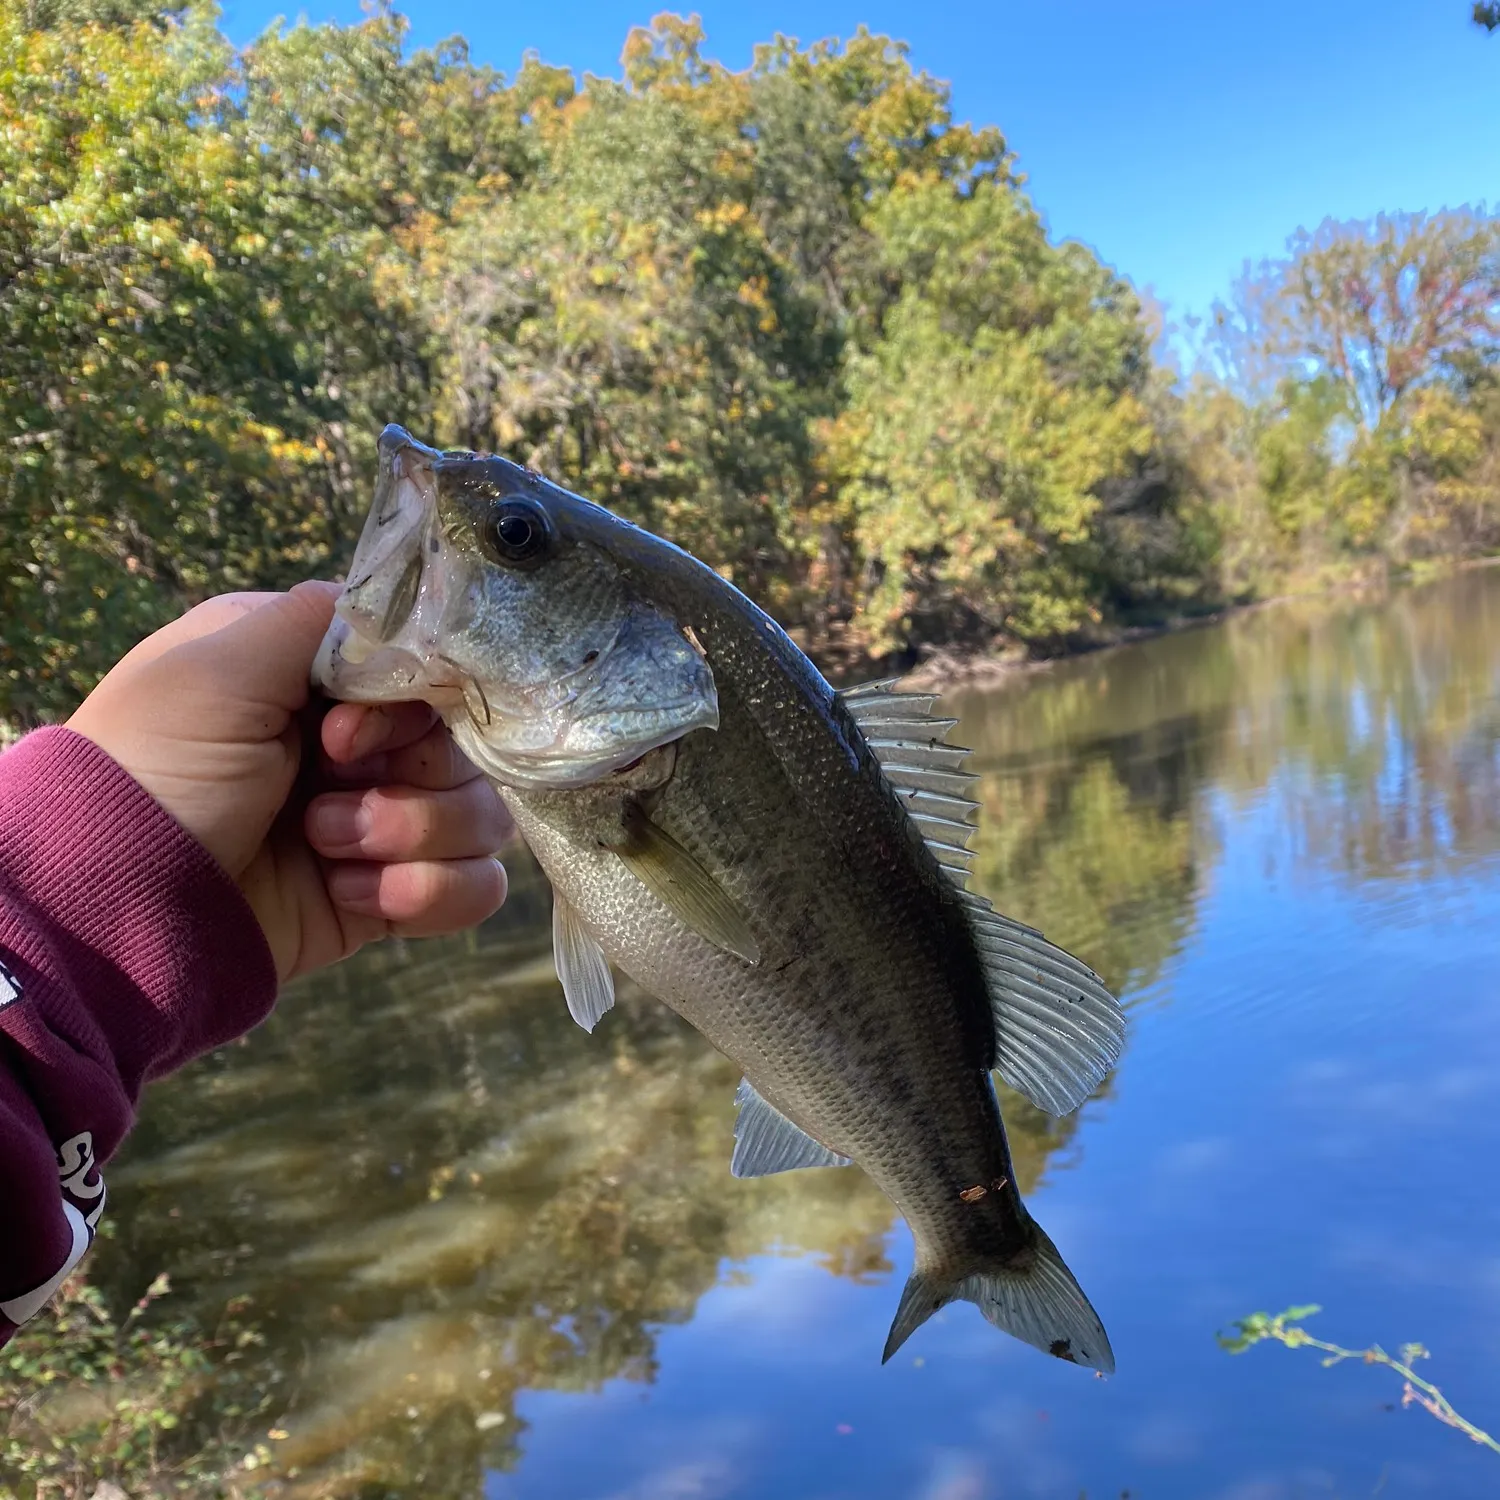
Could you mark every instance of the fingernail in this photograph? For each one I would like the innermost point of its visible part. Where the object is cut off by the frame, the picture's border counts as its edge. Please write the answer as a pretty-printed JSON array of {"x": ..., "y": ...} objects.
[
  {"x": 373, "y": 732},
  {"x": 356, "y": 887},
  {"x": 338, "y": 822}
]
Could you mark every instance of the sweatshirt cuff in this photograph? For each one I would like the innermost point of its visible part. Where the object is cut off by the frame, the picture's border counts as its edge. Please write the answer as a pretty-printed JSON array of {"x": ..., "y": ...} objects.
[{"x": 167, "y": 958}]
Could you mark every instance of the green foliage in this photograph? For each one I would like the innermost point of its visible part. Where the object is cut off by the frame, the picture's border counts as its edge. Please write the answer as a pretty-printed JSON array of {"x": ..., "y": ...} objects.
[
  {"x": 87, "y": 1399},
  {"x": 196, "y": 262},
  {"x": 1284, "y": 1328},
  {"x": 38, "y": 15},
  {"x": 1000, "y": 399},
  {"x": 622, "y": 325},
  {"x": 1354, "y": 423},
  {"x": 795, "y": 318},
  {"x": 1260, "y": 1326},
  {"x": 696, "y": 295}
]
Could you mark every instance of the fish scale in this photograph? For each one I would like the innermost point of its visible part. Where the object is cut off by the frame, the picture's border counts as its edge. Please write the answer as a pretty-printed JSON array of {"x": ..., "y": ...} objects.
[{"x": 885, "y": 992}]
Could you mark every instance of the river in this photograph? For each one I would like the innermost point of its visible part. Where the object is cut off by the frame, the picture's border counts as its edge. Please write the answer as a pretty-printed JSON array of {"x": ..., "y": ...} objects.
[{"x": 493, "y": 1256}]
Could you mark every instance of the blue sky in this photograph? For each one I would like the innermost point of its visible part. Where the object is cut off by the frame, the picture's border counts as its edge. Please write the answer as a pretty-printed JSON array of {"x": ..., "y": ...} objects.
[{"x": 1177, "y": 137}]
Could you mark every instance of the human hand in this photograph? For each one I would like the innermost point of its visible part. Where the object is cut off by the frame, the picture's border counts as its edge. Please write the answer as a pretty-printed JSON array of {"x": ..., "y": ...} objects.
[{"x": 208, "y": 715}]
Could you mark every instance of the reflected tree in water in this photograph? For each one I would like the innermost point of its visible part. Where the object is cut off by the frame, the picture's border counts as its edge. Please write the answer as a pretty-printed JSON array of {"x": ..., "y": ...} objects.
[{"x": 440, "y": 1193}]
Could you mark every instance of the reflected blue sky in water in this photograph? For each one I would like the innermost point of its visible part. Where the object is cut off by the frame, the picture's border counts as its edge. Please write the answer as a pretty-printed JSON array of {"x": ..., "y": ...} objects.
[
  {"x": 1305, "y": 1113},
  {"x": 495, "y": 1256}
]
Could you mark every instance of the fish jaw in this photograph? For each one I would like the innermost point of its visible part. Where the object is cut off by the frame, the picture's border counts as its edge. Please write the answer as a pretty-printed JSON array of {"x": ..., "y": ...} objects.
[
  {"x": 386, "y": 576},
  {"x": 351, "y": 668},
  {"x": 555, "y": 750}
]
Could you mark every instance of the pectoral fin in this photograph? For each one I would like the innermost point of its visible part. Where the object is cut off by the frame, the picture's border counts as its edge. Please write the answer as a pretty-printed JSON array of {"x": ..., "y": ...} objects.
[
  {"x": 765, "y": 1141},
  {"x": 696, "y": 899},
  {"x": 581, "y": 965}
]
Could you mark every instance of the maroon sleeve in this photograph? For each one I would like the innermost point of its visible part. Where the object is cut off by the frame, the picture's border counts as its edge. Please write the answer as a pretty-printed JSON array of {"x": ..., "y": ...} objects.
[{"x": 125, "y": 950}]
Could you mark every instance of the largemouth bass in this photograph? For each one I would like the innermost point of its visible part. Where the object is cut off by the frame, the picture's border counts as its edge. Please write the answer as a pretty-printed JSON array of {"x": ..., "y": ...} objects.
[{"x": 780, "y": 863}]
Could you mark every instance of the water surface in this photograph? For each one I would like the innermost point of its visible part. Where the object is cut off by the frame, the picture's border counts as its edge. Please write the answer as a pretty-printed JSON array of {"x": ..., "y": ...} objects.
[{"x": 494, "y": 1256}]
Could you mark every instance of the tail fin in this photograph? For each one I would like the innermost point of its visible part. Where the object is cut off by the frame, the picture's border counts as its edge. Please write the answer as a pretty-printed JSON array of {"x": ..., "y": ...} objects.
[{"x": 1042, "y": 1305}]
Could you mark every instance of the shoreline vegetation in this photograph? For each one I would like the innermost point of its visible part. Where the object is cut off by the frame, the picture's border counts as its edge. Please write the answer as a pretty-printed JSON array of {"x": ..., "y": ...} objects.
[
  {"x": 944, "y": 670},
  {"x": 148, "y": 1402},
  {"x": 796, "y": 317}
]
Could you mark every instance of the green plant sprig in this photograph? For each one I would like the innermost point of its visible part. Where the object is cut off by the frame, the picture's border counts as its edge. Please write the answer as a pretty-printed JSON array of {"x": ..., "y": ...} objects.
[{"x": 1284, "y": 1329}]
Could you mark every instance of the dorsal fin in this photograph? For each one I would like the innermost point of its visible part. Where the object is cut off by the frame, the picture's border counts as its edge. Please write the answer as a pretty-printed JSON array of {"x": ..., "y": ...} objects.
[
  {"x": 1058, "y": 1031},
  {"x": 908, "y": 741}
]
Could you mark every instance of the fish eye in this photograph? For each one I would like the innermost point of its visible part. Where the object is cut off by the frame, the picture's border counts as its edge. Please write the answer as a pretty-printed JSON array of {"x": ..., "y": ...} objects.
[{"x": 515, "y": 532}]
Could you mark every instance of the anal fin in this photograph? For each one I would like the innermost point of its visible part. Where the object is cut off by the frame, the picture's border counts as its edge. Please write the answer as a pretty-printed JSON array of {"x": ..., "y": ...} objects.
[
  {"x": 765, "y": 1141},
  {"x": 582, "y": 967}
]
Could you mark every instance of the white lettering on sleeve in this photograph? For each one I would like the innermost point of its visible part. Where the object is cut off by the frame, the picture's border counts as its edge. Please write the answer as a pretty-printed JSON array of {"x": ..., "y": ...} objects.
[
  {"x": 75, "y": 1164},
  {"x": 19, "y": 1309}
]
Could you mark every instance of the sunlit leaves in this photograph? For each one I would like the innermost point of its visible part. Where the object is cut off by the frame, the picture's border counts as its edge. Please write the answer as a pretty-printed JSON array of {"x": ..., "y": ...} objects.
[
  {"x": 203, "y": 310},
  {"x": 1002, "y": 394},
  {"x": 1364, "y": 365}
]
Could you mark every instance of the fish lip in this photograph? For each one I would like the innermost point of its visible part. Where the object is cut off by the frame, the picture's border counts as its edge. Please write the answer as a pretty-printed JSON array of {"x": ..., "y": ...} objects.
[{"x": 394, "y": 440}]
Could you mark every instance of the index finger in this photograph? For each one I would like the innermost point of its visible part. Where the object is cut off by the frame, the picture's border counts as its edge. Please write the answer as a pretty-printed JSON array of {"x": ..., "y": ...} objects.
[
  {"x": 433, "y": 763},
  {"x": 352, "y": 731}
]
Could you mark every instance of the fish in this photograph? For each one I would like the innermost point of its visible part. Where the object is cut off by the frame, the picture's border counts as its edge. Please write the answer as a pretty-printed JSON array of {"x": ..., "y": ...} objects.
[{"x": 781, "y": 863}]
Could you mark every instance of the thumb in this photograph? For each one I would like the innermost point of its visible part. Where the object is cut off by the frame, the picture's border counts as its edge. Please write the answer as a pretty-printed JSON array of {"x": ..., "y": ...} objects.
[{"x": 260, "y": 645}]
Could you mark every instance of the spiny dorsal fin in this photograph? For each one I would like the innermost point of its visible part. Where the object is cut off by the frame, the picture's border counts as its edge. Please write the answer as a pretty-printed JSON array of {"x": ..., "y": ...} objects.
[
  {"x": 581, "y": 965},
  {"x": 765, "y": 1141},
  {"x": 1058, "y": 1031},
  {"x": 923, "y": 770}
]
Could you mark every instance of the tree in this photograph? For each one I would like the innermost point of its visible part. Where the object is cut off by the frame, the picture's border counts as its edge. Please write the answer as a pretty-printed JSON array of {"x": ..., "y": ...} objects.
[
  {"x": 623, "y": 325},
  {"x": 205, "y": 263},
  {"x": 1380, "y": 307},
  {"x": 661, "y": 315},
  {"x": 147, "y": 438},
  {"x": 1000, "y": 397}
]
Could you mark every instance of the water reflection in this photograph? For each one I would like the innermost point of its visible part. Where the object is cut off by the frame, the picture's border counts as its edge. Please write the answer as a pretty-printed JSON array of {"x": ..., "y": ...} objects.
[
  {"x": 1373, "y": 725},
  {"x": 442, "y": 1194},
  {"x": 439, "y": 1191}
]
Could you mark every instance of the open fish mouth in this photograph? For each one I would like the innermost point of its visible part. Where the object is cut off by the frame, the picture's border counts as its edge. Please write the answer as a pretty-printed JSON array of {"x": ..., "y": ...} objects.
[{"x": 353, "y": 668}]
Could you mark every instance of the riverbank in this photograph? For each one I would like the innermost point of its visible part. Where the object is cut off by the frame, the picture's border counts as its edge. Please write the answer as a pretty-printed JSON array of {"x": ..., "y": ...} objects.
[{"x": 944, "y": 669}]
